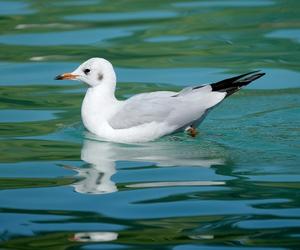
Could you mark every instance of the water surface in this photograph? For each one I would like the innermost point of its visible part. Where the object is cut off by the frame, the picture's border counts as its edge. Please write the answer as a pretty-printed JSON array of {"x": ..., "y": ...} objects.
[{"x": 235, "y": 186}]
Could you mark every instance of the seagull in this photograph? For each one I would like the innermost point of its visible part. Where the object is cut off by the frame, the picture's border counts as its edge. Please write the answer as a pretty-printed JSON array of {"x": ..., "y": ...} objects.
[{"x": 147, "y": 116}]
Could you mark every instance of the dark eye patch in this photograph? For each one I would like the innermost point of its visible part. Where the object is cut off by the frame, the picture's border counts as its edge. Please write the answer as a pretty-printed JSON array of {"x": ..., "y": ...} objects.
[{"x": 86, "y": 71}]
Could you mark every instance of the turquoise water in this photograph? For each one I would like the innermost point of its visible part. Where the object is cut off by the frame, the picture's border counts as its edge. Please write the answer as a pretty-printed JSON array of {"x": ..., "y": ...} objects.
[{"x": 234, "y": 186}]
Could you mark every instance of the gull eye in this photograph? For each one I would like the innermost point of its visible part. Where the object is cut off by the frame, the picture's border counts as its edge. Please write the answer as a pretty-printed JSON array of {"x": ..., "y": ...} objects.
[{"x": 86, "y": 71}]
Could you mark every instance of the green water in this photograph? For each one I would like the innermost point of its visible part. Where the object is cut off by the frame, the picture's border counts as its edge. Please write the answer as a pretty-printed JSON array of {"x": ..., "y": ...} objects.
[{"x": 234, "y": 186}]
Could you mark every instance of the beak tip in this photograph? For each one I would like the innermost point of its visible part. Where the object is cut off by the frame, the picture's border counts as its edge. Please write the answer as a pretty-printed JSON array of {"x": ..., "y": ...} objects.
[
  {"x": 59, "y": 77},
  {"x": 66, "y": 76}
]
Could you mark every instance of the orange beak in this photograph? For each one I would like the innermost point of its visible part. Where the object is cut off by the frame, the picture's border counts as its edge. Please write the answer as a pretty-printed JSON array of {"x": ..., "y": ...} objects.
[{"x": 66, "y": 76}]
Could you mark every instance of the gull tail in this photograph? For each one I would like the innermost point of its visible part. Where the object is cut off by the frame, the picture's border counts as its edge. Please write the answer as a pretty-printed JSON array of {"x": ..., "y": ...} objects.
[{"x": 234, "y": 84}]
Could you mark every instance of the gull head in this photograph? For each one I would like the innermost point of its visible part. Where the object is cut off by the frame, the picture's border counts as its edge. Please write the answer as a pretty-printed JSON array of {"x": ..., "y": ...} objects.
[{"x": 93, "y": 72}]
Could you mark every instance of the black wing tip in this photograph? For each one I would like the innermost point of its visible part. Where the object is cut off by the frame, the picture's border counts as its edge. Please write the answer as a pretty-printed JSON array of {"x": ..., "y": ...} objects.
[
  {"x": 252, "y": 77},
  {"x": 261, "y": 74},
  {"x": 234, "y": 84},
  {"x": 249, "y": 74}
]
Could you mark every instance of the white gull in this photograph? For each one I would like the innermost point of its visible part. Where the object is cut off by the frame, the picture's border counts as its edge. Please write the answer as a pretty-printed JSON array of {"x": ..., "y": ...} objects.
[{"x": 147, "y": 116}]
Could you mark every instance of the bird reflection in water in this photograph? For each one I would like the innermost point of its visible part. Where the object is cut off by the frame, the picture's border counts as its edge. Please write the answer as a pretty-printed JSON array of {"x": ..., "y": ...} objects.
[
  {"x": 101, "y": 158},
  {"x": 94, "y": 237}
]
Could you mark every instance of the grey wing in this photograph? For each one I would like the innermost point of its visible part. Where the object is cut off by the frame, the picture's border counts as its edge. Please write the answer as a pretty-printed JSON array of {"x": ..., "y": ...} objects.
[
  {"x": 178, "y": 109},
  {"x": 143, "y": 108}
]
